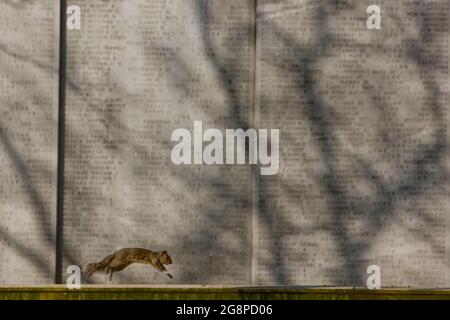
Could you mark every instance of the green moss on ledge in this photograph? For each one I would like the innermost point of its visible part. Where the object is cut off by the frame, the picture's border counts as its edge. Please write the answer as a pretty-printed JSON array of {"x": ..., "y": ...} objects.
[{"x": 91, "y": 292}]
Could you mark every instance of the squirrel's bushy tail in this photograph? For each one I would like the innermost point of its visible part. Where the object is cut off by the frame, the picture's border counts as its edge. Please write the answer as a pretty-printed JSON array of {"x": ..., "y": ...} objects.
[{"x": 99, "y": 266}]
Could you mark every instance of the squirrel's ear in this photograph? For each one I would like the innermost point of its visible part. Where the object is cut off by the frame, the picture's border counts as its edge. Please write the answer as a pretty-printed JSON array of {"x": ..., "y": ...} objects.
[{"x": 164, "y": 251}]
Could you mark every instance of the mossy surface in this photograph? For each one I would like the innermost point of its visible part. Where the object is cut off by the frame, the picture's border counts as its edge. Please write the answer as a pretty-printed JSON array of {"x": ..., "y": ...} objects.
[{"x": 212, "y": 293}]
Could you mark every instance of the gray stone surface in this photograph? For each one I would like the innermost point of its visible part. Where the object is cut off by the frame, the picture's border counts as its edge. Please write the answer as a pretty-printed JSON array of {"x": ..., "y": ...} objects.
[
  {"x": 29, "y": 45},
  {"x": 137, "y": 70},
  {"x": 364, "y": 167},
  {"x": 363, "y": 120}
]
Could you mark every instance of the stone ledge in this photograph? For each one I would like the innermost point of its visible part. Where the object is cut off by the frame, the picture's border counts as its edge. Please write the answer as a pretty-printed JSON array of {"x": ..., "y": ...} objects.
[{"x": 95, "y": 292}]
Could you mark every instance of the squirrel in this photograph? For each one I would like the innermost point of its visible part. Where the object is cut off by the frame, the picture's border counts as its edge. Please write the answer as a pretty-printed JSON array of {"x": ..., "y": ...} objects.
[{"x": 122, "y": 258}]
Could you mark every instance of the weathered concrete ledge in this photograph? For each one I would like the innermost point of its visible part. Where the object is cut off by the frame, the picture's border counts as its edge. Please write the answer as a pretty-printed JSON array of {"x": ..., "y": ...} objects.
[{"x": 95, "y": 292}]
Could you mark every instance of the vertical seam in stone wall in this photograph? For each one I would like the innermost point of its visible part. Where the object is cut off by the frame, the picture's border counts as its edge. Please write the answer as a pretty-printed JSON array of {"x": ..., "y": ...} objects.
[
  {"x": 255, "y": 179},
  {"x": 61, "y": 137}
]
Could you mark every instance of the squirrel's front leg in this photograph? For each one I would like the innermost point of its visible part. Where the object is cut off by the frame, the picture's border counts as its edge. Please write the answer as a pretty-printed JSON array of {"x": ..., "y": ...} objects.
[
  {"x": 163, "y": 269},
  {"x": 110, "y": 272}
]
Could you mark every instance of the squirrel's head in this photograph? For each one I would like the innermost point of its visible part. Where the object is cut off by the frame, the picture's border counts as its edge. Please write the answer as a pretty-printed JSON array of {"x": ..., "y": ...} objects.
[{"x": 165, "y": 258}]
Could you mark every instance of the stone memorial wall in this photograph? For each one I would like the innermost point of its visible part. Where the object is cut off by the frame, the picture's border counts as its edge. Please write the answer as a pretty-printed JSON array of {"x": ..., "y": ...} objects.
[{"x": 362, "y": 116}]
